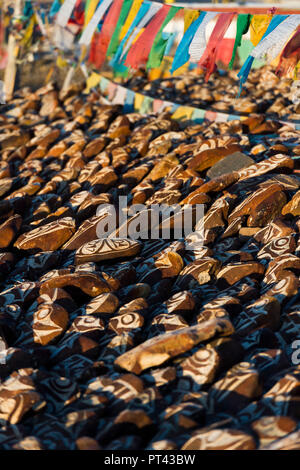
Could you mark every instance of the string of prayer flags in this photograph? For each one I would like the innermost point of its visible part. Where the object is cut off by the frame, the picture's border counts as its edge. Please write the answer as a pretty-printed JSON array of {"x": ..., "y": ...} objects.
[
  {"x": 141, "y": 33},
  {"x": 139, "y": 52},
  {"x": 78, "y": 13},
  {"x": 55, "y": 8}
]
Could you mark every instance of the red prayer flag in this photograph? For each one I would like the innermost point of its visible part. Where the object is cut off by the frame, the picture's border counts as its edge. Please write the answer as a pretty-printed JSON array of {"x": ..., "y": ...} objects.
[
  {"x": 208, "y": 59},
  {"x": 224, "y": 52},
  {"x": 140, "y": 50},
  {"x": 105, "y": 35}
]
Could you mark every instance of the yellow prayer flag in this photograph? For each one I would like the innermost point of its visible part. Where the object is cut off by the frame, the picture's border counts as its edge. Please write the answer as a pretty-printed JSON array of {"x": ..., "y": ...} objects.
[
  {"x": 258, "y": 27},
  {"x": 154, "y": 74},
  {"x": 189, "y": 17},
  {"x": 91, "y": 10},
  {"x": 138, "y": 100},
  {"x": 92, "y": 81},
  {"x": 183, "y": 113},
  {"x": 182, "y": 70},
  {"x": 130, "y": 17}
]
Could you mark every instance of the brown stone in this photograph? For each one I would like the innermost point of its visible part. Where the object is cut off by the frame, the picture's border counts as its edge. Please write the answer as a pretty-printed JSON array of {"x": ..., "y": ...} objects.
[
  {"x": 293, "y": 206},
  {"x": 119, "y": 127},
  {"x": 289, "y": 442},
  {"x": 87, "y": 232},
  {"x": 120, "y": 157},
  {"x": 103, "y": 304},
  {"x": 275, "y": 229},
  {"x": 48, "y": 237},
  {"x": 263, "y": 313},
  {"x": 126, "y": 322},
  {"x": 261, "y": 206},
  {"x": 9, "y": 230},
  {"x": 281, "y": 265},
  {"x": 45, "y": 138},
  {"x": 104, "y": 179},
  {"x": 18, "y": 396},
  {"x": 197, "y": 273},
  {"x": 49, "y": 322},
  {"x": 196, "y": 197},
  {"x": 163, "y": 167},
  {"x": 158, "y": 350},
  {"x": 5, "y": 185},
  {"x": 276, "y": 162},
  {"x": 208, "y": 158},
  {"x": 220, "y": 439},
  {"x": 182, "y": 303},
  {"x": 277, "y": 247},
  {"x": 87, "y": 443},
  {"x": 49, "y": 103},
  {"x": 237, "y": 388},
  {"x": 271, "y": 428},
  {"x": 90, "y": 284},
  {"x": 95, "y": 147},
  {"x": 233, "y": 273},
  {"x": 107, "y": 248}
]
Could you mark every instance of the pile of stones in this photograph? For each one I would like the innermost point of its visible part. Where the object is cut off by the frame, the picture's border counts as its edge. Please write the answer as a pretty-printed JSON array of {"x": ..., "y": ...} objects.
[
  {"x": 263, "y": 92},
  {"x": 116, "y": 343}
]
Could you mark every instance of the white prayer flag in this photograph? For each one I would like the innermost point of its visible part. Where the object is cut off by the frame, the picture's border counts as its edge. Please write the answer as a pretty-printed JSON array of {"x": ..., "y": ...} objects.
[
  {"x": 198, "y": 44},
  {"x": 65, "y": 12}
]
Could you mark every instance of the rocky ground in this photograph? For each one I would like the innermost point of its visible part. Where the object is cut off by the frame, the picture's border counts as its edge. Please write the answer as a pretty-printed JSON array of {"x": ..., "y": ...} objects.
[
  {"x": 263, "y": 92},
  {"x": 121, "y": 344}
]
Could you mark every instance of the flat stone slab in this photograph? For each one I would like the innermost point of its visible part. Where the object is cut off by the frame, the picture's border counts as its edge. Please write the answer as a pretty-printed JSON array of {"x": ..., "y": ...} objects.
[{"x": 235, "y": 161}]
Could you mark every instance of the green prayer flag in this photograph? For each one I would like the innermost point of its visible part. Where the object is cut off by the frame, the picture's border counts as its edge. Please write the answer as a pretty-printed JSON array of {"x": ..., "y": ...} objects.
[
  {"x": 159, "y": 45},
  {"x": 245, "y": 50},
  {"x": 114, "y": 42},
  {"x": 242, "y": 26}
]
